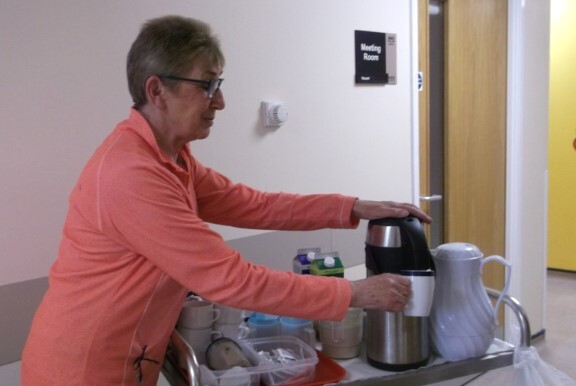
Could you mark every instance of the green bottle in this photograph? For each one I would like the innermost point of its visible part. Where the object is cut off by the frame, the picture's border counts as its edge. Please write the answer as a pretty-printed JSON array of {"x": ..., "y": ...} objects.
[{"x": 327, "y": 264}]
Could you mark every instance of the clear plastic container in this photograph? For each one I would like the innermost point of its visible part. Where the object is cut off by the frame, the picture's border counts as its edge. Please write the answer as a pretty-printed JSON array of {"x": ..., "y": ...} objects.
[
  {"x": 244, "y": 376},
  {"x": 302, "y": 329},
  {"x": 298, "y": 370},
  {"x": 343, "y": 339}
]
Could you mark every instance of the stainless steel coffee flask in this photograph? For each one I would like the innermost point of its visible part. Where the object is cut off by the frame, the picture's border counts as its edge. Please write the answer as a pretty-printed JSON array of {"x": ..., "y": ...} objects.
[{"x": 395, "y": 342}]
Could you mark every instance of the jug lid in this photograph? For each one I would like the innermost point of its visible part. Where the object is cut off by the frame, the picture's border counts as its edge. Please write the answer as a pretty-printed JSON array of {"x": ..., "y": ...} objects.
[
  {"x": 457, "y": 251},
  {"x": 258, "y": 318}
]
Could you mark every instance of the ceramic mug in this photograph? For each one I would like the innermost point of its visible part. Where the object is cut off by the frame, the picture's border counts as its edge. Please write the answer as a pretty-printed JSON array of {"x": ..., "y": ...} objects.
[
  {"x": 229, "y": 315},
  {"x": 232, "y": 331},
  {"x": 420, "y": 301},
  {"x": 198, "y": 314}
]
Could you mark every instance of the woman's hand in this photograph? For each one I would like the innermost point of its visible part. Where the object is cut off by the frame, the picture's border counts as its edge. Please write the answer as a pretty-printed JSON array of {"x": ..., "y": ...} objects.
[
  {"x": 386, "y": 292},
  {"x": 370, "y": 210}
]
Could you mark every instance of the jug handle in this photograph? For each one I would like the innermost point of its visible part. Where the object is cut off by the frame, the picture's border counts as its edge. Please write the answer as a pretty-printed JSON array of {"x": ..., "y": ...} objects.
[{"x": 508, "y": 269}]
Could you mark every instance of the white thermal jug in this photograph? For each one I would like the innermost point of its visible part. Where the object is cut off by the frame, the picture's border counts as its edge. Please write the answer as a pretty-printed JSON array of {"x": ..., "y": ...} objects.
[{"x": 463, "y": 320}]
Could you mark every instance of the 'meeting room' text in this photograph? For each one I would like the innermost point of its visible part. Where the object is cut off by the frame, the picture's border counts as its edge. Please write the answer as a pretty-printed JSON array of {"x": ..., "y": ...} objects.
[{"x": 370, "y": 52}]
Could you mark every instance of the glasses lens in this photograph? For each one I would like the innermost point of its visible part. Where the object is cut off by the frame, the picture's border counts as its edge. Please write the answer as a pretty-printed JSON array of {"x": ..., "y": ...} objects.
[{"x": 214, "y": 86}]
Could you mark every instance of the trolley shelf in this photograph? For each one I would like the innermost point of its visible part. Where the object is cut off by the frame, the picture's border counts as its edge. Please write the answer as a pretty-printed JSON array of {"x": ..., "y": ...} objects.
[{"x": 181, "y": 367}]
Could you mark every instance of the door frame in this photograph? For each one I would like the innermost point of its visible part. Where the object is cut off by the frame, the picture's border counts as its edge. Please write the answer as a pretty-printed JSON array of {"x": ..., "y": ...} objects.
[
  {"x": 514, "y": 139},
  {"x": 514, "y": 123}
]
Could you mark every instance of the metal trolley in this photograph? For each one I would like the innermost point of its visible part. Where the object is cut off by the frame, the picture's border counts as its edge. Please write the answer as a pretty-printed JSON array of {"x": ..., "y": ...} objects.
[{"x": 181, "y": 368}]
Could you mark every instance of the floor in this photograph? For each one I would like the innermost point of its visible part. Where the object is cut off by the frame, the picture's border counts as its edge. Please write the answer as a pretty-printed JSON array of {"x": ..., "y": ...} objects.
[
  {"x": 559, "y": 346},
  {"x": 558, "y": 349}
]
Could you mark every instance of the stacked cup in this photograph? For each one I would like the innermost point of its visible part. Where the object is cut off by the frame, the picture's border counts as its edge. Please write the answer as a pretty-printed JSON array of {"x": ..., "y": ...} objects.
[
  {"x": 230, "y": 322},
  {"x": 195, "y": 324}
]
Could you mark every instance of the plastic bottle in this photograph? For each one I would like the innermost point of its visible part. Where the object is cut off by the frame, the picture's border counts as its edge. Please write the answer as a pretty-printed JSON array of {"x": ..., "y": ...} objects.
[{"x": 304, "y": 257}]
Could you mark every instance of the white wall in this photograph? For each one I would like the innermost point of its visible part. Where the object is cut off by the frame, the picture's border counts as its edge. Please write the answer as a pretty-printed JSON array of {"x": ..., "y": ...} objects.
[{"x": 63, "y": 89}]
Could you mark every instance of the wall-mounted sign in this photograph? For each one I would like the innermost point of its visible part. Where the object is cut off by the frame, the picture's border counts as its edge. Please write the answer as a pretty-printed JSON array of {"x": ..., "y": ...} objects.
[{"x": 375, "y": 57}]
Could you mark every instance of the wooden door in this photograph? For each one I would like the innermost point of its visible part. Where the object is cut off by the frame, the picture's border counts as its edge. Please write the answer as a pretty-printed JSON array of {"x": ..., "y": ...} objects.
[
  {"x": 423, "y": 101},
  {"x": 475, "y": 126}
]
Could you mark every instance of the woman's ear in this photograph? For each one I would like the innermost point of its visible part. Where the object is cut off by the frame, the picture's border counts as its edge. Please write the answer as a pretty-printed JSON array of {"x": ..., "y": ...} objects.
[{"x": 155, "y": 91}]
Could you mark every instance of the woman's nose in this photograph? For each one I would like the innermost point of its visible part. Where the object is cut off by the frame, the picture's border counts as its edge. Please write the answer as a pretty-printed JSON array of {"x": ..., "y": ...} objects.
[{"x": 217, "y": 100}]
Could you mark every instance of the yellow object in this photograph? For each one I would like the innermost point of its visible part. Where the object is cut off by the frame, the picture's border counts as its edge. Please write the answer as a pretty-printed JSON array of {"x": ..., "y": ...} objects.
[{"x": 562, "y": 136}]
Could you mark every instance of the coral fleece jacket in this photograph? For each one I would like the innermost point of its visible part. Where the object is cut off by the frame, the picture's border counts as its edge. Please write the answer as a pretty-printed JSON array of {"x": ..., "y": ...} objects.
[{"x": 136, "y": 239}]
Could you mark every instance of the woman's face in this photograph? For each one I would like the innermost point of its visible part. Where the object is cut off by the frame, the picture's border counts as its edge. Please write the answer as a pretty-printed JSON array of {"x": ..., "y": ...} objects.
[{"x": 190, "y": 112}]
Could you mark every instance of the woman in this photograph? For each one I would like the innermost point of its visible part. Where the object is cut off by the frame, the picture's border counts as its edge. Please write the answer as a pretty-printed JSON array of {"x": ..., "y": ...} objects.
[{"x": 136, "y": 236}]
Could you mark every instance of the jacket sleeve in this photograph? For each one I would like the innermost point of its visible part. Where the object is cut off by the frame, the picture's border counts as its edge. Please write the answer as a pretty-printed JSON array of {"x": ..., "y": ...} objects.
[
  {"x": 147, "y": 211},
  {"x": 222, "y": 202}
]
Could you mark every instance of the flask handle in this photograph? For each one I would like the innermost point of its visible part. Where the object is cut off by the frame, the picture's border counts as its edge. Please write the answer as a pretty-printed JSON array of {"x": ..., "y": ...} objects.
[{"x": 508, "y": 273}]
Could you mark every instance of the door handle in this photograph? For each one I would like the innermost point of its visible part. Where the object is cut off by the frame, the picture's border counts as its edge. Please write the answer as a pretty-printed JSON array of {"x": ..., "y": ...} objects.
[{"x": 434, "y": 197}]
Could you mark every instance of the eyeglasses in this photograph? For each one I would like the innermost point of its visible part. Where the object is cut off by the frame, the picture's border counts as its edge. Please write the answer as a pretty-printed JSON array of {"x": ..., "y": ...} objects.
[{"x": 211, "y": 86}]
